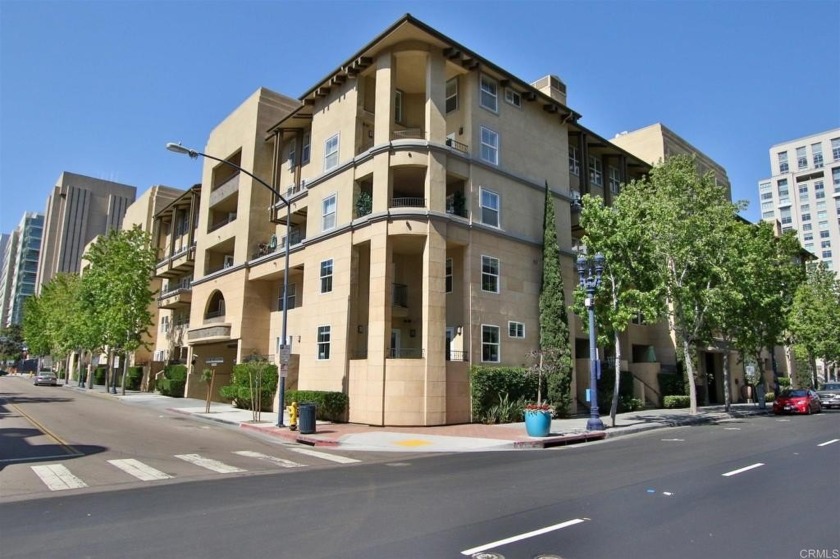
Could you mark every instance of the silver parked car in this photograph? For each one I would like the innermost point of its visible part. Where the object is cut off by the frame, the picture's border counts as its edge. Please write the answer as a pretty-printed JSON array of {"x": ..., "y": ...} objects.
[
  {"x": 46, "y": 377},
  {"x": 830, "y": 395}
]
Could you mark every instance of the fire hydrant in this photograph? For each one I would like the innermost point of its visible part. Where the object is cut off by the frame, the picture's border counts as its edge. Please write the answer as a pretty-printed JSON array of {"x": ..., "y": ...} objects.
[{"x": 293, "y": 415}]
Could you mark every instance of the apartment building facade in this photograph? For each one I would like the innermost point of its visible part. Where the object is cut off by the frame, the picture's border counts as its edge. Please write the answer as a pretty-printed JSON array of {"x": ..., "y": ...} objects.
[
  {"x": 78, "y": 209},
  {"x": 415, "y": 174},
  {"x": 803, "y": 193},
  {"x": 20, "y": 265}
]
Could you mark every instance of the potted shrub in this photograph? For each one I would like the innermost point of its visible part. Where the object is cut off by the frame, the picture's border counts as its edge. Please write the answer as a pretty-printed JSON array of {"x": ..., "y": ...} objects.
[{"x": 538, "y": 419}]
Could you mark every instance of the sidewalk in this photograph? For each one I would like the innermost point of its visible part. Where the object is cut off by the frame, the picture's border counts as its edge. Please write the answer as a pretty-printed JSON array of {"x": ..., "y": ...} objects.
[{"x": 448, "y": 438}]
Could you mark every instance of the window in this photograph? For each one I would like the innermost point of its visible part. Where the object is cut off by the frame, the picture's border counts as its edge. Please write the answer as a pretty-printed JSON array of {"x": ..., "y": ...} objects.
[
  {"x": 801, "y": 158},
  {"x": 489, "y": 208},
  {"x": 819, "y": 190},
  {"x": 825, "y": 244},
  {"x": 765, "y": 186},
  {"x": 331, "y": 153},
  {"x": 615, "y": 181},
  {"x": 816, "y": 153},
  {"x": 513, "y": 98},
  {"x": 595, "y": 171},
  {"x": 326, "y": 275},
  {"x": 489, "y": 343},
  {"x": 785, "y": 216},
  {"x": 835, "y": 177},
  {"x": 825, "y": 234},
  {"x": 489, "y": 98},
  {"x": 290, "y": 297},
  {"x": 783, "y": 162},
  {"x": 767, "y": 215},
  {"x": 398, "y": 106},
  {"x": 767, "y": 205},
  {"x": 808, "y": 237},
  {"x": 328, "y": 213},
  {"x": 806, "y": 216},
  {"x": 574, "y": 161},
  {"x": 449, "y": 275},
  {"x": 806, "y": 227},
  {"x": 304, "y": 152},
  {"x": 452, "y": 95},
  {"x": 823, "y": 225},
  {"x": 826, "y": 254},
  {"x": 490, "y": 274},
  {"x": 489, "y": 146},
  {"x": 766, "y": 195},
  {"x": 516, "y": 329},
  {"x": 292, "y": 155},
  {"x": 835, "y": 148},
  {"x": 323, "y": 342}
]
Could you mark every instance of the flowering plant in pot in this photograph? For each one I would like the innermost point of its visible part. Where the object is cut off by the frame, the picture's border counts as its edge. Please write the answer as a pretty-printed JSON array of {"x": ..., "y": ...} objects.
[{"x": 538, "y": 419}]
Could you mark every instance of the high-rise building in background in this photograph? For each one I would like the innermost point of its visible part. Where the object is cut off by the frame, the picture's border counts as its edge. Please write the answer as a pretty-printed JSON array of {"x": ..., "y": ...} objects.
[
  {"x": 803, "y": 193},
  {"x": 20, "y": 264},
  {"x": 79, "y": 209}
]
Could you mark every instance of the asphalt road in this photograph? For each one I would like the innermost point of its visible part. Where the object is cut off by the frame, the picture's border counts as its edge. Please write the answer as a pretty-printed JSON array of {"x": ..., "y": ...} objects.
[{"x": 757, "y": 487}]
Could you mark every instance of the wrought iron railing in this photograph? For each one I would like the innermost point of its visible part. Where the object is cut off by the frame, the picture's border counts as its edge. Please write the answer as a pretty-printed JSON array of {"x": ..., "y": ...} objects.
[
  {"x": 406, "y": 353},
  {"x": 456, "y": 145},
  {"x": 408, "y": 202},
  {"x": 453, "y": 355}
]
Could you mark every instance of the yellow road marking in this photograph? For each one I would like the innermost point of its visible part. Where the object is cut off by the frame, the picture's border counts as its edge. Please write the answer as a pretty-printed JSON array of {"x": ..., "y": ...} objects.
[
  {"x": 413, "y": 442},
  {"x": 68, "y": 448}
]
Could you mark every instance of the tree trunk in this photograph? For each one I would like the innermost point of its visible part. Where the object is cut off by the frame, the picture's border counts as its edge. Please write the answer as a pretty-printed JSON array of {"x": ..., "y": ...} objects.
[
  {"x": 727, "y": 399},
  {"x": 689, "y": 373},
  {"x": 124, "y": 371},
  {"x": 614, "y": 406}
]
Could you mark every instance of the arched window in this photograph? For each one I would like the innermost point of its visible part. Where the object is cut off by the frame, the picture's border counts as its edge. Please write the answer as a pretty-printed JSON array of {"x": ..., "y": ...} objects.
[{"x": 215, "y": 306}]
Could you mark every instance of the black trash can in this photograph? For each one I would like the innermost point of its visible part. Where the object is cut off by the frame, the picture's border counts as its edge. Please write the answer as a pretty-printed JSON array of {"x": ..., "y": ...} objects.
[{"x": 306, "y": 419}]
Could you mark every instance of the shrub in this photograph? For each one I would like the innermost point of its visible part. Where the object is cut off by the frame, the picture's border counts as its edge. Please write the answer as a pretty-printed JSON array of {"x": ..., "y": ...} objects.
[
  {"x": 260, "y": 373},
  {"x": 676, "y": 402},
  {"x": 605, "y": 391},
  {"x": 506, "y": 411},
  {"x": 99, "y": 374},
  {"x": 133, "y": 378},
  {"x": 784, "y": 382},
  {"x": 769, "y": 397},
  {"x": 672, "y": 384},
  {"x": 490, "y": 385},
  {"x": 626, "y": 404},
  {"x": 329, "y": 406},
  {"x": 173, "y": 381}
]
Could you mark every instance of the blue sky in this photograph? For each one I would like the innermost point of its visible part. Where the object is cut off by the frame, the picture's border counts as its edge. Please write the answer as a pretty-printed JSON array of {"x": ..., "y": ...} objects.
[{"x": 99, "y": 87}]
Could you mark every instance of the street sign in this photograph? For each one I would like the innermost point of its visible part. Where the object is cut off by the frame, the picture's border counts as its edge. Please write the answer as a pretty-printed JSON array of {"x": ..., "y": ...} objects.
[
  {"x": 213, "y": 361},
  {"x": 285, "y": 354}
]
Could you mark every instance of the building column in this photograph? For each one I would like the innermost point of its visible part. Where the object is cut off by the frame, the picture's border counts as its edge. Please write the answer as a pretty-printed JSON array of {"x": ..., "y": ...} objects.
[
  {"x": 379, "y": 326},
  {"x": 434, "y": 323}
]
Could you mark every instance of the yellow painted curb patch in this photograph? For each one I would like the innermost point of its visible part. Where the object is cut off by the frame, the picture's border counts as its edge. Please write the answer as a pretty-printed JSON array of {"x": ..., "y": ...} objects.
[{"x": 412, "y": 442}]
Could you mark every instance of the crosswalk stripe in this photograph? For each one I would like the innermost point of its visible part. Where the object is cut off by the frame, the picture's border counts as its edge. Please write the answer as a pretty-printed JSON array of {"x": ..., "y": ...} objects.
[
  {"x": 273, "y": 459},
  {"x": 208, "y": 463},
  {"x": 325, "y": 456},
  {"x": 139, "y": 470},
  {"x": 57, "y": 477}
]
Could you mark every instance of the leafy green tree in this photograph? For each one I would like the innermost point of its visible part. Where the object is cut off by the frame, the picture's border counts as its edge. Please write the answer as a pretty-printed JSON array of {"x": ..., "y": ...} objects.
[
  {"x": 626, "y": 291},
  {"x": 815, "y": 318},
  {"x": 34, "y": 327},
  {"x": 11, "y": 343},
  {"x": 555, "y": 344},
  {"x": 685, "y": 218},
  {"x": 116, "y": 287}
]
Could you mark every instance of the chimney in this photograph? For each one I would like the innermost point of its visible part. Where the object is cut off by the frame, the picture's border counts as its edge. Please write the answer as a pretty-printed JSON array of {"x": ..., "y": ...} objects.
[{"x": 553, "y": 87}]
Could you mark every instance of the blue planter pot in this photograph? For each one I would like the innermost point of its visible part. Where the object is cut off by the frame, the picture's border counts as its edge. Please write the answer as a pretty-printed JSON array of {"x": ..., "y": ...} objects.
[{"x": 538, "y": 423}]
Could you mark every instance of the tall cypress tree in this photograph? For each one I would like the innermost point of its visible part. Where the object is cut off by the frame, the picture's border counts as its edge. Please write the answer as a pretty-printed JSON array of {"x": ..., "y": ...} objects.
[{"x": 555, "y": 345}]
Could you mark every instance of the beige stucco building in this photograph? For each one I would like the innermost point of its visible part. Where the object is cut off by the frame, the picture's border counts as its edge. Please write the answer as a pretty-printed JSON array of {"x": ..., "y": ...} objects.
[{"x": 414, "y": 176}]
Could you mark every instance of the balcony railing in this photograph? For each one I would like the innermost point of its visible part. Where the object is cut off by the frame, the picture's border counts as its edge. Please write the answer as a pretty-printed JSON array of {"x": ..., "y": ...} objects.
[
  {"x": 409, "y": 134},
  {"x": 219, "y": 224},
  {"x": 453, "y": 355},
  {"x": 408, "y": 202},
  {"x": 456, "y": 145},
  {"x": 406, "y": 353}
]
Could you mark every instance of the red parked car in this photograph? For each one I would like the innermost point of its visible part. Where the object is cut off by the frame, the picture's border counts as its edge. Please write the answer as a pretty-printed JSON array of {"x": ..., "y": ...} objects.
[{"x": 802, "y": 400}]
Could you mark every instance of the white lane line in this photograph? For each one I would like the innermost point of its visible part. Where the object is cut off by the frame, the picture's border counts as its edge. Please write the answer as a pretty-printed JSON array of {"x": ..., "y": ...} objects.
[
  {"x": 208, "y": 463},
  {"x": 57, "y": 477},
  {"x": 325, "y": 456},
  {"x": 742, "y": 470},
  {"x": 273, "y": 459},
  {"x": 826, "y": 443},
  {"x": 139, "y": 470},
  {"x": 527, "y": 535}
]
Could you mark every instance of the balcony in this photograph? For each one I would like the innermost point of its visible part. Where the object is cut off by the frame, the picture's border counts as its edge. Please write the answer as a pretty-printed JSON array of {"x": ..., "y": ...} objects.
[
  {"x": 224, "y": 190},
  {"x": 408, "y": 134},
  {"x": 406, "y": 353},
  {"x": 175, "y": 298},
  {"x": 408, "y": 202},
  {"x": 229, "y": 217},
  {"x": 457, "y": 146}
]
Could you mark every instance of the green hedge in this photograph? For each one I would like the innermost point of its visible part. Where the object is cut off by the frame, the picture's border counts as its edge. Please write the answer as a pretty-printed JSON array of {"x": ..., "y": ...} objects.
[
  {"x": 133, "y": 378},
  {"x": 626, "y": 402},
  {"x": 99, "y": 374},
  {"x": 677, "y": 402},
  {"x": 173, "y": 382},
  {"x": 239, "y": 389},
  {"x": 329, "y": 406},
  {"x": 495, "y": 389},
  {"x": 672, "y": 384}
]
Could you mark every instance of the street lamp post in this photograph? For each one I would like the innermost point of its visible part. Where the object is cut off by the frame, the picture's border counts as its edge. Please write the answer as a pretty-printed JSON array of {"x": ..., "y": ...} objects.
[
  {"x": 283, "y": 353},
  {"x": 590, "y": 278}
]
